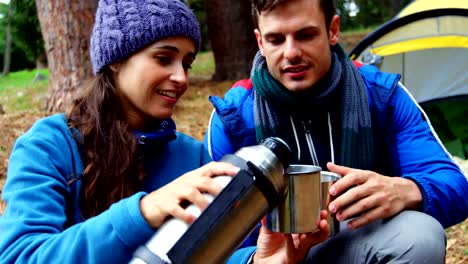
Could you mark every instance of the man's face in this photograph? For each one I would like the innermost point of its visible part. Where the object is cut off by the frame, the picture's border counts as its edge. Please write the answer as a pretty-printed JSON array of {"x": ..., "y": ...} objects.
[{"x": 296, "y": 44}]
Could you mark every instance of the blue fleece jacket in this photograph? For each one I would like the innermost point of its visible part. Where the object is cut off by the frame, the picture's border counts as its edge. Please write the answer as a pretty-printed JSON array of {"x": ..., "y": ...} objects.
[
  {"x": 42, "y": 224},
  {"x": 405, "y": 143}
]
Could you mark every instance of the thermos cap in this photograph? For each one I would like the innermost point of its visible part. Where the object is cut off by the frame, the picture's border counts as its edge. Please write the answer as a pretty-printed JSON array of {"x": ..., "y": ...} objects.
[{"x": 279, "y": 147}]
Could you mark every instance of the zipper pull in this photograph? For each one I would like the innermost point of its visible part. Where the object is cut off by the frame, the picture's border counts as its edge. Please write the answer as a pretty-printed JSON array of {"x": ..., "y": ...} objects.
[{"x": 307, "y": 126}]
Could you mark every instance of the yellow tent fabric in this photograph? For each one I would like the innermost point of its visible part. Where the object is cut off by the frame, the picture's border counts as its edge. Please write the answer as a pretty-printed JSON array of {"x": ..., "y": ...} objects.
[
  {"x": 425, "y": 33},
  {"x": 424, "y": 5},
  {"x": 421, "y": 44},
  {"x": 438, "y": 32}
]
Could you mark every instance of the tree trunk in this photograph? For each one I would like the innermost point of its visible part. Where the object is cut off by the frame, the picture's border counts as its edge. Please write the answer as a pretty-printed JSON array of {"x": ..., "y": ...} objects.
[
  {"x": 233, "y": 43},
  {"x": 7, "y": 55},
  {"x": 41, "y": 61},
  {"x": 66, "y": 26}
]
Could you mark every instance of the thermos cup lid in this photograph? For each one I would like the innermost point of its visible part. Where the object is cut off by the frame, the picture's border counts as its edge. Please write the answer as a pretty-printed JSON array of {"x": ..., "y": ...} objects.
[{"x": 280, "y": 148}]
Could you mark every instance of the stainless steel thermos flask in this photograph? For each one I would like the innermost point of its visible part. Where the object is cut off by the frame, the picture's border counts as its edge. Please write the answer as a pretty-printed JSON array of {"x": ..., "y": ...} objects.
[{"x": 233, "y": 213}]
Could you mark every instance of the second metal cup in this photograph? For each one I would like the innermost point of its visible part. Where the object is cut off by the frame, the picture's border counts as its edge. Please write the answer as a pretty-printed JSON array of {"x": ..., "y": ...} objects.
[{"x": 327, "y": 179}]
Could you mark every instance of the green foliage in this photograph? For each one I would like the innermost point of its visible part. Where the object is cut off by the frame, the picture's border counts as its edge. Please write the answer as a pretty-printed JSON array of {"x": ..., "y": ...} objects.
[
  {"x": 3, "y": 26},
  {"x": 448, "y": 119},
  {"x": 18, "y": 92},
  {"x": 371, "y": 12},
  {"x": 26, "y": 29},
  {"x": 27, "y": 44},
  {"x": 204, "y": 65}
]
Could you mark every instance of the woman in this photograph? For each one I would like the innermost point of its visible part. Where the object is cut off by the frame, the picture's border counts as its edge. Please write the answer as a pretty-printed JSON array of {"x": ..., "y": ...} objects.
[
  {"x": 93, "y": 184},
  {"x": 77, "y": 183}
]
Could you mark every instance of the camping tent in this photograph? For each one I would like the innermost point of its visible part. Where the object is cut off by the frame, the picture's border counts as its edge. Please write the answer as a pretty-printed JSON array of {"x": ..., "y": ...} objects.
[{"x": 427, "y": 43}]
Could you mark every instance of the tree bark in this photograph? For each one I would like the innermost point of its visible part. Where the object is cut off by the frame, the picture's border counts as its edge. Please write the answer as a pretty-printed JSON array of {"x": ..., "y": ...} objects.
[
  {"x": 66, "y": 26},
  {"x": 7, "y": 54},
  {"x": 233, "y": 43}
]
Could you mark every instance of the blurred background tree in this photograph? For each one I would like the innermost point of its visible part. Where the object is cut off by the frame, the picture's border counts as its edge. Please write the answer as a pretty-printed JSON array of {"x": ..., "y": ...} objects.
[
  {"x": 232, "y": 40},
  {"x": 27, "y": 35},
  {"x": 66, "y": 27},
  {"x": 27, "y": 47},
  {"x": 227, "y": 31}
]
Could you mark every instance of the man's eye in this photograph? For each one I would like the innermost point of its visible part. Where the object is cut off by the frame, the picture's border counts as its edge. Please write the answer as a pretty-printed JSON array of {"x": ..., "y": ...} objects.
[
  {"x": 305, "y": 36},
  {"x": 275, "y": 40}
]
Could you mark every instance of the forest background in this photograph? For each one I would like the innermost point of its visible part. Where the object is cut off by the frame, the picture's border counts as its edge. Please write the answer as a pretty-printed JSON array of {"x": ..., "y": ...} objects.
[{"x": 44, "y": 61}]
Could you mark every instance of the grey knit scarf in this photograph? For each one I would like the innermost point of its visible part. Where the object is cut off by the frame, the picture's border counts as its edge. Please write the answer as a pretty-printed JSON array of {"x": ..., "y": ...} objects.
[{"x": 274, "y": 104}]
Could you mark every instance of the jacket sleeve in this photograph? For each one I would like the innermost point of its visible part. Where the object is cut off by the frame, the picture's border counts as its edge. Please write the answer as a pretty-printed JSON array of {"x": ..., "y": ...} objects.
[
  {"x": 242, "y": 256},
  {"x": 424, "y": 160},
  {"x": 32, "y": 227},
  {"x": 217, "y": 139},
  {"x": 231, "y": 124}
]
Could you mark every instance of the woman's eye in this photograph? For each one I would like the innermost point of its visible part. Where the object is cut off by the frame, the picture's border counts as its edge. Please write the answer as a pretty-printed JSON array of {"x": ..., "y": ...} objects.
[
  {"x": 163, "y": 60},
  {"x": 187, "y": 66}
]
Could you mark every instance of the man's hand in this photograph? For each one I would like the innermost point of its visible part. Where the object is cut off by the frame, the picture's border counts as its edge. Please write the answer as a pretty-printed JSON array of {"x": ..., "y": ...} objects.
[
  {"x": 370, "y": 196},
  {"x": 288, "y": 248}
]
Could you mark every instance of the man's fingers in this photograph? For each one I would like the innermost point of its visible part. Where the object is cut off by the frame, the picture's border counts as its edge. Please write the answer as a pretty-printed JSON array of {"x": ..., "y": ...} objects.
[
  {"x": 342, "y": 170},
  {"x": 365, "y": 218},
  {"x": 352, "y": 178},
  {"x": 359, "y": 207},
  {"x": 348, "y": 197}
]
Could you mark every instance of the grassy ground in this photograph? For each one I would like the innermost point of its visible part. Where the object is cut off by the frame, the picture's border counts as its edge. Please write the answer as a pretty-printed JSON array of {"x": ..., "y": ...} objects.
[
  {"x": 23, "y": 102},
  {"x": 19, "y": 91}
]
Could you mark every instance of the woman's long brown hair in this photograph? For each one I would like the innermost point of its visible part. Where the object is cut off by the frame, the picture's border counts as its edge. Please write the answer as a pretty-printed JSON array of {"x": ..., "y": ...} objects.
[{"x": 112, "y": 171}]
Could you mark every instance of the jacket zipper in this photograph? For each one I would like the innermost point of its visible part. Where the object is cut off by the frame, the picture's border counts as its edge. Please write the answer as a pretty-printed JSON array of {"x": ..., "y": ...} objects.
[{"x": 310, "y": 143}]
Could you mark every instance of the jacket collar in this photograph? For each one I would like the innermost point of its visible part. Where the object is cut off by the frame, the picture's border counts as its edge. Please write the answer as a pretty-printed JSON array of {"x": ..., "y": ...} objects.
[{"x": 164, "y": 131}]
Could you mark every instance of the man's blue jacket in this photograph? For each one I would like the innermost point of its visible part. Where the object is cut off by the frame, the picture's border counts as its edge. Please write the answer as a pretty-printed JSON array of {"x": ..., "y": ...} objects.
[{"x": 406, "y": 145}]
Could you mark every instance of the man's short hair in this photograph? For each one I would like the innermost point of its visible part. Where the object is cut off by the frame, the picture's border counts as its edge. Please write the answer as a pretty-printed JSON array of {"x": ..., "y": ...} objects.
[{"x": 259, "y": 6}]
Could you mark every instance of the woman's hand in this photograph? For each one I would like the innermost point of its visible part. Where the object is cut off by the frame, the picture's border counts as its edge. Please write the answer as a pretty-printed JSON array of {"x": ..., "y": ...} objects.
[
  {"x": 288, "y": 248},
  {"x": 166, "y": 201}
]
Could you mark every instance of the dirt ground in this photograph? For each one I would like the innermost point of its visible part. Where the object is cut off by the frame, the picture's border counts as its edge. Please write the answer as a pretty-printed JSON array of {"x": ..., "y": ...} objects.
[{"x": 192, "y": 117}]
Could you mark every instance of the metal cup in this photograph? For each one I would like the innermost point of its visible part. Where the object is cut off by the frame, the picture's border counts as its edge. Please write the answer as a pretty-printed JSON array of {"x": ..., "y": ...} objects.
[
  {"x": 327, "y": 179},
  {"x": 300, "y": 211}
]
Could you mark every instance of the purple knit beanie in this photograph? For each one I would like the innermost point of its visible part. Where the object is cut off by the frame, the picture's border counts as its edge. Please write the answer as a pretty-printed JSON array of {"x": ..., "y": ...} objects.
[{"x": 123, "y": 27}]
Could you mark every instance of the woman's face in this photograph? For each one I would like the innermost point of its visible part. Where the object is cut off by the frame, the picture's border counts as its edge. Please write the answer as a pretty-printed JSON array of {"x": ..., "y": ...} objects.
[{"x": 151, "y": 81}]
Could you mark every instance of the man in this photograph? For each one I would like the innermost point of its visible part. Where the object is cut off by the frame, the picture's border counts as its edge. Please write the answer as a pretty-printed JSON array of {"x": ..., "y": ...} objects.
[{"x": 357, "y": 122}]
